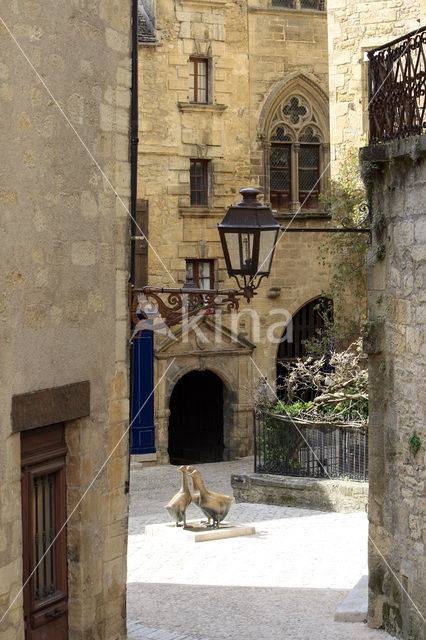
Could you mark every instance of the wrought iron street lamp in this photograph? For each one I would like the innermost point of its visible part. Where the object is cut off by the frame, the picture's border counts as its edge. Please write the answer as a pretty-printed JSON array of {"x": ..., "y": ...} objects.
[{"x": 248, "y": 234}]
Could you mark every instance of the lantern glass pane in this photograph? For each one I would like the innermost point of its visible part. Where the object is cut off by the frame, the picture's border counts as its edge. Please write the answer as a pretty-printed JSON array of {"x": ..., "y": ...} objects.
[
  {"x": 240, "y": 248},
  {"x": 266, "y": 250}
]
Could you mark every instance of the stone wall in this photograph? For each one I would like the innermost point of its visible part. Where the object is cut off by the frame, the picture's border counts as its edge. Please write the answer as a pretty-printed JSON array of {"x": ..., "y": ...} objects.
[
  {"x": 353, "y": 28},
  {"x": 395, "y": 340},
  {"x": 325, "y": 495},
  {"x": 256, "y": 53},
  {"x": 63, "y": 275}
]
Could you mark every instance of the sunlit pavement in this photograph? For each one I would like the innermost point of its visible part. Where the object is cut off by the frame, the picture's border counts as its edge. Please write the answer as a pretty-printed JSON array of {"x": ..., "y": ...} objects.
[{"x": 283, "y": 582}]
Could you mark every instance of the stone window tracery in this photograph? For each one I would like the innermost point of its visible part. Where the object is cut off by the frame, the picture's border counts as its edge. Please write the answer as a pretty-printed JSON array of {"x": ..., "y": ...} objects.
[{"x": 295, "y": 155}]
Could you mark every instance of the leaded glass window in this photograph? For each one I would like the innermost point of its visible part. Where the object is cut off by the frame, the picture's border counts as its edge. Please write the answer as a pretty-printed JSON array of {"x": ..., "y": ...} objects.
[{"x": 295, "y": 156}]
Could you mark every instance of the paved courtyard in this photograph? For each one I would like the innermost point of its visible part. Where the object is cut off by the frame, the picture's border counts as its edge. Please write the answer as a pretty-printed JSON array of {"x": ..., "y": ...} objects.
[{"x": 284, "y": 582}]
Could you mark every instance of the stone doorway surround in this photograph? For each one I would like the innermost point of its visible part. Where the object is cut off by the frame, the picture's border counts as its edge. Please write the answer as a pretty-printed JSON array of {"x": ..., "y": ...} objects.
[{"x": 216, "y": 349}]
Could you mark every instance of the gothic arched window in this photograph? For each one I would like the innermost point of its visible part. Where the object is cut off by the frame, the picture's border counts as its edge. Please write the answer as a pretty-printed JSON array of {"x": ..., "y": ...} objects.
[{"x": 296, "y": 155}]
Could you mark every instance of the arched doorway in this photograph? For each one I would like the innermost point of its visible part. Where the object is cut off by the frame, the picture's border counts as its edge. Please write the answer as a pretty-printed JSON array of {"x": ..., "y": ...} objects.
[
  {"x": 306, "y": 322},
  {"x": 196, "y": 419}
]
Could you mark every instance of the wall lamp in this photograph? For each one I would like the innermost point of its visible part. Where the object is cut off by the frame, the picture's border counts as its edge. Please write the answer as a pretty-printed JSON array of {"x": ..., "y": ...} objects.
[{"x": 248, "y": 234}]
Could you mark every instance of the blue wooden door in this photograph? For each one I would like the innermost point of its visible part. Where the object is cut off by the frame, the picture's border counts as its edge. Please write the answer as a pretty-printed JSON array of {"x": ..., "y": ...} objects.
[{"x": 143, "y": 430}]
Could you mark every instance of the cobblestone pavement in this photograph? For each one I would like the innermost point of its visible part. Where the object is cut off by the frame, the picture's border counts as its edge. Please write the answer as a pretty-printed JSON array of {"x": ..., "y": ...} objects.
[{"x": 283, "y": 583}]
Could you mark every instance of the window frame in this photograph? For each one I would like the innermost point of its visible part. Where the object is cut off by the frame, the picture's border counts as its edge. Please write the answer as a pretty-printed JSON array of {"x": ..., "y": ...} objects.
[
  {"x": 280, "y": 145},
  {"x": 193, "y": 162},
  {"x": 194, "y": 62},
  {"x": 195, "y": 262},
  {"x": 311, "y": 192}
]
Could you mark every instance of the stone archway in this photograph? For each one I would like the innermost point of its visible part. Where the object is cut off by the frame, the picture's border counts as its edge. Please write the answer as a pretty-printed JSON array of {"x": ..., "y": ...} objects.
[
  {"x": 306, "y": 322},
  {"x": 196, "y": 419}
]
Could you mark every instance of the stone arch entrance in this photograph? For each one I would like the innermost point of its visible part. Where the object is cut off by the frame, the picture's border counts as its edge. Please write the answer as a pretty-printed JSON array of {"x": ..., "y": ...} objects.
[{"x": 196, "y": 419}]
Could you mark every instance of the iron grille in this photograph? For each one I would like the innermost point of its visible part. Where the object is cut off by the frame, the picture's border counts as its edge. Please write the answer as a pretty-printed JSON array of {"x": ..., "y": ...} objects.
[
  {"x": 308, "y": 157},
  {"x": 280, "y": 181},
  {"x": 308, "y": 168},
  {"x": 281, "y": 135},
  {"x": 319, "y": 5},
  {"x": 280, "y": 168},
  {"x": 308, "y": 180},
  {"x": 314, "y": 451},
  {"x": 44, "y": 535},
  {"x": 397, "y": 88},
  {"x": 280, "y": 157},
  {"x": 309, "y": 136},
  {"x": 312, "y": 4}
]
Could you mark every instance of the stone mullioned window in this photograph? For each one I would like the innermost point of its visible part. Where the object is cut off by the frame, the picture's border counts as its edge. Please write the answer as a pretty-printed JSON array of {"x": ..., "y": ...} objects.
[{"x": 295, "y": 156}]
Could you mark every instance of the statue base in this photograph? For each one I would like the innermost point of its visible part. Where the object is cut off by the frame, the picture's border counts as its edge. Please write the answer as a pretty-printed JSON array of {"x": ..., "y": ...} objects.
[{"x": 198, "y": 531}]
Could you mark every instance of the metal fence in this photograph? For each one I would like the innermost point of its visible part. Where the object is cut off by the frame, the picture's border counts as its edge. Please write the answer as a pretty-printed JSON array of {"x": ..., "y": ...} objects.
[
  {"x": 285, "y": 447},
  {"x": 397, "y": 88},
  {"x": 319, "y": 5}
]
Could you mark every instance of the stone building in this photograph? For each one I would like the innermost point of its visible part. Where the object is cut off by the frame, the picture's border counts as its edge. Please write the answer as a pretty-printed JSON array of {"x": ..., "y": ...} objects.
[
  {"x": 353, "y": 29},
  {"x": 232, "y": 94},
  {"x": 394, "y": 331},
  {"x": 395, "y": 340},
  {"x": 64, "y": 190}
]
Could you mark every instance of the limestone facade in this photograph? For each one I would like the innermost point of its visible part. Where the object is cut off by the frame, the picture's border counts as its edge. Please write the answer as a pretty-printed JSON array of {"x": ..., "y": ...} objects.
[
  {"x": 63, "y": 275},
  {"x": 353, "y": 29},
  {"x": 259, "y": 57},
  {"x": 395, "y": 340}
]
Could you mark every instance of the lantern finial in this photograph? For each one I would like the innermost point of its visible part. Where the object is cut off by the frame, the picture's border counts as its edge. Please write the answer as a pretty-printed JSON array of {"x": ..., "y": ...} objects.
[{"x": 249, "y": 198}]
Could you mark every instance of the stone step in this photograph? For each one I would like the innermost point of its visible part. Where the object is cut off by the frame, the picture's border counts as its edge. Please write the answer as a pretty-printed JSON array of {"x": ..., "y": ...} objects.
[{"x": 354, "y": 607}]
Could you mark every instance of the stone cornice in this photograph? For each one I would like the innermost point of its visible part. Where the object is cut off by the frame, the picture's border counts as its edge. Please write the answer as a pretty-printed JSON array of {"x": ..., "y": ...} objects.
[{"x": 193, "y": 106}]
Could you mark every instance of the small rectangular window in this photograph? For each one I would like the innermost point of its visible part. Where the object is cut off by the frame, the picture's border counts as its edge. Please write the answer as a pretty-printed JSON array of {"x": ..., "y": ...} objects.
[
  {"x": 198, "y": 182},
  {"x": 201, "y": 272},
  {"x": 199, "y": 77}
]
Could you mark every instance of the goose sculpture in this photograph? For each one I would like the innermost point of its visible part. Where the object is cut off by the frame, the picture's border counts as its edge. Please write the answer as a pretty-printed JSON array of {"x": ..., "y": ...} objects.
[
  {"x": 214, "y": 505},
  {"x": 195, "y": 495},
  {"x": 178, "y": 505}
]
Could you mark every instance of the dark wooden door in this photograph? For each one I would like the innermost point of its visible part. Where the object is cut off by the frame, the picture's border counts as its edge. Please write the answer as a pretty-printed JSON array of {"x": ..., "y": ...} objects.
[
  {"x": 196, "y": 419},
  {"x": 44, "y": 534}
]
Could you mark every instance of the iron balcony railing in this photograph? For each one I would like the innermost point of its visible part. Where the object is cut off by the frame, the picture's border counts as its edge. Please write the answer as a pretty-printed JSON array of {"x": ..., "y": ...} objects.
[
  {"x": 285, "y": 447},
  {"x": 397, "y": 88}
]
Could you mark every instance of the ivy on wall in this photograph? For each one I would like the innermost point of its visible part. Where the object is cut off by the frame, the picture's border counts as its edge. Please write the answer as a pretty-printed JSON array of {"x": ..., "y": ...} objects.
[{"x": 345, "y": 254}]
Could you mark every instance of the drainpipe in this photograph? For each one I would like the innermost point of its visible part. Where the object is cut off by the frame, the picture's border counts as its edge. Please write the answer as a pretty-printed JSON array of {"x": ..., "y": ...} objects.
[
  {"x": 134, "y": 137},
  {"x": 134, "y": 140}
]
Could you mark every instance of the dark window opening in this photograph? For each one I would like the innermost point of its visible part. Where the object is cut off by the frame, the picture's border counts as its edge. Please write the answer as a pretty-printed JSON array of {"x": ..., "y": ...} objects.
[{"x": 198, "y": 182}]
